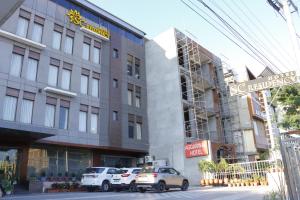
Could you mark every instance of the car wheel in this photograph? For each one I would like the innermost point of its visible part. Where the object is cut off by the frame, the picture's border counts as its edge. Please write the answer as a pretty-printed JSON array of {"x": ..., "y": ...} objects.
[
  {"x": 105, "y": 186},
  {"x": 132, "y": 187},
  {"x": 161, "y": 187},
  {"x": 141, "y": 190},
  {"x": 185, "y": 185}
]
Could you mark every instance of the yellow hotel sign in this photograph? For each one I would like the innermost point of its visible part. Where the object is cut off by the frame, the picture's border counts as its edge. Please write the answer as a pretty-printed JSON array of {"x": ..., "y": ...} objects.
[{"x": 77, "y": 19}]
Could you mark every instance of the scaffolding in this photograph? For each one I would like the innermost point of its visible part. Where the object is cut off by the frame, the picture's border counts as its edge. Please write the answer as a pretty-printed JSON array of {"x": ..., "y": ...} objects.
[{"x": 201, "y": 73}]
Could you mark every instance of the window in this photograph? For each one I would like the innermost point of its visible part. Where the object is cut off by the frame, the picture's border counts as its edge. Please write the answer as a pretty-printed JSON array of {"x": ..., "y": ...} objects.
[
  {"x": 37, "y": 32},
  {"x": 115, "y": 53},
  {"x": 138, "y": 131},
  {"x": 115, "y": 83},
  {"x": 115, "y": 115},
  {"x": 130, "y": 130},
  {"x": 129, "y": 95},
  {"x": 49, "y": 115},
  {"x": 84, "y": 84},
  {"x": 129, "y": 65},
  {"x": 16, "y": 65},
  {"x": 9, "y": 108},
  {"x": 69, "y": 45},
  {"x": 82, "y": 121},
  {"x": 63, "y": 117},
  {"x": 52, "y": 77},
  {"x": 86, "y": 51},
  {"x": 31, "y": 69},
  {"x": 137, "y": 68},
  {"x": 65, "y": 79},
  {"x": 26, "y": 111},
  {"x": 96, "y": 58},
  {"x": 95, "y": 87},
  {"x": 22, "y": 27},
  {"x": 94, "y": 123},
  {"x": 137, "y": 97},
  {"x": 56, "y": 42}
]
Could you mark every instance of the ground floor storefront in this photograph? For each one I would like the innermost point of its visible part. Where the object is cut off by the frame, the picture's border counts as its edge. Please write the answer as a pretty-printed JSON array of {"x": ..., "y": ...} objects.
[{"x": 49, "y": 162}]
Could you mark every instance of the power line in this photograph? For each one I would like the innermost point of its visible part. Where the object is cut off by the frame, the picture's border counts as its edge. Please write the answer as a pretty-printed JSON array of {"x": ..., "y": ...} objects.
[
  {"x": 257, "y": 41},
  {"x": 240, "y": 37},
  {"x": 262, "y": 29},
  {"x": 219, "y": 30}
]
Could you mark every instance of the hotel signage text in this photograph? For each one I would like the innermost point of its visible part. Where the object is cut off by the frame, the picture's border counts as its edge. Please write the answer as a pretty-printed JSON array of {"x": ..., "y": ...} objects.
[
  {"x": 277, "y": 80},
  {"x": 77, "y": 19},
  {"x": 195, "y": 149}
]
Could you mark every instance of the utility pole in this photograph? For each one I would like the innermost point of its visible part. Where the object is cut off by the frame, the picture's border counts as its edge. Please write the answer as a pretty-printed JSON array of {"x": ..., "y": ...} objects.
[
  {"x": 283, "y": 8},
  {"x": 293, "y": 35}
]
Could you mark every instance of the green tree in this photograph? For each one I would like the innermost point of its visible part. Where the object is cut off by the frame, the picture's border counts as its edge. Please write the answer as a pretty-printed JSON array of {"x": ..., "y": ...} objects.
[{"x": 289, "y": 98}]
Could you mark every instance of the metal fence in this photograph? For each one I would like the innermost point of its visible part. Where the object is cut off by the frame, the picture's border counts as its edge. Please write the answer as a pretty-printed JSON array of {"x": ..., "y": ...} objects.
[{"x": 290, "y": 150}]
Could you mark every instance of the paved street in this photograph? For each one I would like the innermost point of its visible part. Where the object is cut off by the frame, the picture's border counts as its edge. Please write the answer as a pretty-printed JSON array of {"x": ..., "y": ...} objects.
[{"x": 253, "y": 193}]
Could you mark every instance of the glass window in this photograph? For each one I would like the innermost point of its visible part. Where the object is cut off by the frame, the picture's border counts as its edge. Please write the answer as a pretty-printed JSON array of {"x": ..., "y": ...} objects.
[
  {"x": 31, "y": 69},
  {"x": 137, "y": 68},
  {"x": 129, "y": 95},
  {"x": 69, "y": 45},
  {"x": 138, "y": 101},
  {"x": 130, "y": 130},
  {"x": 96, "y": 58},
  {"x": 138, "y": 131},
  {"x": 22, "y": 27},
  {"x": 16, "y": 65},
  {"x": 115, "y": 115},
  {"x": 26, "y": 111},
  {"x": 94, "y": 123},
  {"x": 86, "y": 51},
  {"x": 52, "y": 77},
  {"x": 56, "y": 42},
  {"x": 129, "y": 65},
  {"x": 37, "y": 32},
  {"x": 115, "y": 53},
  {"x": 63, "y": 117},
  {"x": 84, "y": 84},
  {"x": 115, "y": 83},
  {"x": 95, "y": 87},
  {"x": 93, "y": 170},
  {"x": 49, "y": 115},
  {"x": 9, "y": 108},
  {"x": 82, "y": 121},
  {"x": 65, "y": 79}
]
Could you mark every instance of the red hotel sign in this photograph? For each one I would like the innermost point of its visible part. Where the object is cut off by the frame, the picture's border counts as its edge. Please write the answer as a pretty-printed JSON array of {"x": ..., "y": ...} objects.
[{"x": 198, "y": 148}]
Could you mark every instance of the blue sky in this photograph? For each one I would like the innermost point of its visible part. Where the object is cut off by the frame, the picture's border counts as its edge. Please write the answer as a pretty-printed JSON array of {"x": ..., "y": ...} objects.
[{"x": 155, "y": 16}]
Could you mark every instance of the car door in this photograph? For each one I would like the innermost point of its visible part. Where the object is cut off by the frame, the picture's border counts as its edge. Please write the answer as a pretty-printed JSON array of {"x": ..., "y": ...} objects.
[
  {"x": 110, "y": 173},
  {"x": 165, "y": 175},
  {"x": 176, "y": 178}
]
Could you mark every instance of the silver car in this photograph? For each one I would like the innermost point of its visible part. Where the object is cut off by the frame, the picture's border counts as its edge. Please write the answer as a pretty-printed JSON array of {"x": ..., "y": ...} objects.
[{"x": 160, "y": 179}]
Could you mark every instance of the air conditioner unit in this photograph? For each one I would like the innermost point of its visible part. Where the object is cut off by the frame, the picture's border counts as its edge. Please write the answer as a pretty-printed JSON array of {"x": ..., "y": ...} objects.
[{"x": 148, "y": 159}]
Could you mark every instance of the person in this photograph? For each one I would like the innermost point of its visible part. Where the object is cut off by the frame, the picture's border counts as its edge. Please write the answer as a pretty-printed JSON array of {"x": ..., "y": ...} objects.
[{"x": 2, "y": 193}]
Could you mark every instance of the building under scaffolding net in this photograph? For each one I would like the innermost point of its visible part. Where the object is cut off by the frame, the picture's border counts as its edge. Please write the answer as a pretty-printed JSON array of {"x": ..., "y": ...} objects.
[{"x": 205, "y": 95}]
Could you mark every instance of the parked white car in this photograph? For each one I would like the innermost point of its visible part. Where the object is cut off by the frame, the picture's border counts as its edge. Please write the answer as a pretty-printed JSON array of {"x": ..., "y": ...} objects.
[
  {"x": 98, "y": 178},
  {"x": 124, "y": 179}
]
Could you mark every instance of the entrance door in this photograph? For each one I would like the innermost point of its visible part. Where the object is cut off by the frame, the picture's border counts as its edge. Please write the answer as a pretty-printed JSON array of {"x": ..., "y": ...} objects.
[{"x": 9, "y": 162}]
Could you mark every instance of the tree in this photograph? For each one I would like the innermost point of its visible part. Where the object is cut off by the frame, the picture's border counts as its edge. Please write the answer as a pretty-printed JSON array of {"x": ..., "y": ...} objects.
[{"x": 289, "y": 98}]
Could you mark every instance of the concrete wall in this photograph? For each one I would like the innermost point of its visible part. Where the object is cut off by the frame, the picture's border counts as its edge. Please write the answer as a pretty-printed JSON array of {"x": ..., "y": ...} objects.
[{"x": 165, "y": 112}]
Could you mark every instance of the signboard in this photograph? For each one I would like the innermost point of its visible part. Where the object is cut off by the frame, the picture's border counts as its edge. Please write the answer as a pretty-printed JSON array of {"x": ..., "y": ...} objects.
[
  {"x": 77, "y": 19},
  {"x": 195, "y": 149},
  {"x": 268, "y": 82}
]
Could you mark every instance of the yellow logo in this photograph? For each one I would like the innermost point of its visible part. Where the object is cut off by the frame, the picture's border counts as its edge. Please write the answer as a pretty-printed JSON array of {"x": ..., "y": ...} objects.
[{"x": 77, "y": 19}]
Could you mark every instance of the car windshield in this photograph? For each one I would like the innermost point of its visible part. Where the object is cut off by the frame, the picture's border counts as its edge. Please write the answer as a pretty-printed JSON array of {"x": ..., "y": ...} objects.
[
  {"x": 148, "y": 170},
  {"x": 121, "y": 171},
  {"x": 94, "y": 170}
]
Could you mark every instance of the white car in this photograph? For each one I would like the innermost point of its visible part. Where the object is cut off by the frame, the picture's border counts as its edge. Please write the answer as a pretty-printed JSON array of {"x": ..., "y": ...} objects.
[
  {"x": 98, "y": 178},
  {"x": 125, "y": 179}
]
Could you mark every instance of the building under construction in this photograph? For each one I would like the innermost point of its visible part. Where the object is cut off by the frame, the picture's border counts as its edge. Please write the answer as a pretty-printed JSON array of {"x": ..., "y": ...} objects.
[{"x": 188, "y": 110}]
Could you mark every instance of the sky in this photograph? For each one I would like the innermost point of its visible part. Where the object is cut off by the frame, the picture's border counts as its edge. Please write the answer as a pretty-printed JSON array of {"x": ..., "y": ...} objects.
[{"x": 264, "y": 27}]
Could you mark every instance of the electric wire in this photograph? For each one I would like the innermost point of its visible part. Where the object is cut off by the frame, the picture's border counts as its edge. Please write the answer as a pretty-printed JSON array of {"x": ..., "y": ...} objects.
[{"x": 219, "y": 30}]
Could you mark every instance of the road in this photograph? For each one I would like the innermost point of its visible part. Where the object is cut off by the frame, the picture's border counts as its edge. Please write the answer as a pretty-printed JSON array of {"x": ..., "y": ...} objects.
[{"x": 252, "y": 193}]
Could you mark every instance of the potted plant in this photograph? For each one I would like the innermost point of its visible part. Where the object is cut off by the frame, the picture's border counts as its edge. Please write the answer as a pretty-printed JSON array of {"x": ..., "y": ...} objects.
[
  {"x": 204, "y": 167},
  {"x": 256, "y": 180},
  {"x": 7, "y": 186}
]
